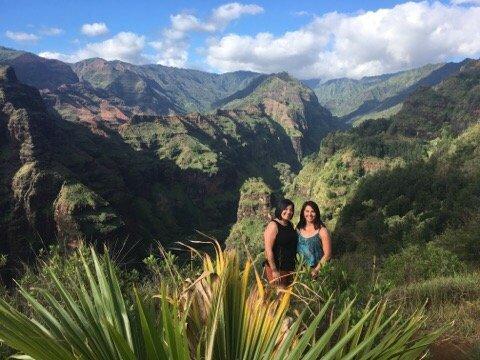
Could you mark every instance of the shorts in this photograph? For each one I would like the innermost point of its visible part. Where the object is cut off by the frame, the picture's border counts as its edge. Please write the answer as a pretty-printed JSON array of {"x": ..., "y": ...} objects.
[{"x": 285, "y": 280}]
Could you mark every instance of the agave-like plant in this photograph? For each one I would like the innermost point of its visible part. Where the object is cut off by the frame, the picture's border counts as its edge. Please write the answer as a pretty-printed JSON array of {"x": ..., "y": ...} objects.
[{"x": 220, "y": 315}]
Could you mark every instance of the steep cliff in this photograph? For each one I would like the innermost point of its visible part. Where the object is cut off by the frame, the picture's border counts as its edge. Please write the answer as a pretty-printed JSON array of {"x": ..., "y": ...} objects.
[{"x": 292, "y": 105}]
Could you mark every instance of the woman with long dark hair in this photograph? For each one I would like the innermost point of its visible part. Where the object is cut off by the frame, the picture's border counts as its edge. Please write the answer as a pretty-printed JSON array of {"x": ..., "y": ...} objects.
[
  {"x": 281, "y": 245},
  {"x": 314, "y": 242}
]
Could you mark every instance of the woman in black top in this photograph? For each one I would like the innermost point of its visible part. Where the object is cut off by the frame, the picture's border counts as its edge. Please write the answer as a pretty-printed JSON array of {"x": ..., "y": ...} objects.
[{"x": 281, "y": 245}]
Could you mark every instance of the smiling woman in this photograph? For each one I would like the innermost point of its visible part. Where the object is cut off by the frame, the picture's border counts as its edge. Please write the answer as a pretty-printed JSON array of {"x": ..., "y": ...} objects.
[
  {"x": 280, "y": 246},
  {"x": 314, "y": 243}
]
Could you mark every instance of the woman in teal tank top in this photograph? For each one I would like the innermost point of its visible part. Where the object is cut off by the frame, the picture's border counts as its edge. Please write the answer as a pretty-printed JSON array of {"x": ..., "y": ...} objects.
[{"x": 314, "y": 242}]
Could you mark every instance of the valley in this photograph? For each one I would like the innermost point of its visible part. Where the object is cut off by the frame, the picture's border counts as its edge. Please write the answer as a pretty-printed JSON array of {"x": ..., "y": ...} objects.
[{"x": 133, "y": 156}]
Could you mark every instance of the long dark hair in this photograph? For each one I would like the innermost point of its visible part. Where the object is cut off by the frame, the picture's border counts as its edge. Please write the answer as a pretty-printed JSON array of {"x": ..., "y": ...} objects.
[
  {"x": 282, "y": 205},
  {"x": 317, "y": 222}
]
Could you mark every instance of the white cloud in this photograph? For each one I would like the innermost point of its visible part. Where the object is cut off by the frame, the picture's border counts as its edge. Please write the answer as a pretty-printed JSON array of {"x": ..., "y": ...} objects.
[
  {"x": 21, "y": 36},
  {"x": 461, "y": 2},
  {"x": 224, "y": 14},
  {"x": 172, "y": 49},
  {"x": 368, "y": 43},
  {"x": 58, "y": 56},
  {"x": 301, "y": 13},
  {"x": 94, "y": 29},
  {"x": 171, "y": 53},
  {"x": 53, "y": 31},
  {"x": 125, "y": 46}
]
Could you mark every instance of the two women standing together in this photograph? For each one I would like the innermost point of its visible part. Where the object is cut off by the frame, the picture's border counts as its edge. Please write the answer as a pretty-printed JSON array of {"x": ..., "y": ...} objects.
[{"x": 310, "y": 239}]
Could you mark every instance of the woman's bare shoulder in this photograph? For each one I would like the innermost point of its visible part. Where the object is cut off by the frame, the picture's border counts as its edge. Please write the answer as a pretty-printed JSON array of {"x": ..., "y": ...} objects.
[
  {"x": 272, "y": 225},
  {"x": 323, "y": 230}
]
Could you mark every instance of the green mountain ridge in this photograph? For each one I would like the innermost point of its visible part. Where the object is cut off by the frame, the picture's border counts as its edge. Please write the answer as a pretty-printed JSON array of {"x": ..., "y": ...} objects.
[
  {"x": 291, "y": 104},
  {"x": 397, "y": 172},
  {"x": 378, "y": 96},
  {"x": 164, "y": 89},
  {"x": 37, "y": 71}
]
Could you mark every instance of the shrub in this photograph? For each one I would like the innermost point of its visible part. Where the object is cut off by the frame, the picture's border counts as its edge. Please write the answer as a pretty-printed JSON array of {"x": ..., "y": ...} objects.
[
  {"x": 463, "y": 241},
  {"x": 449, "y": 300},
  {"x": 416, "y": 263}
]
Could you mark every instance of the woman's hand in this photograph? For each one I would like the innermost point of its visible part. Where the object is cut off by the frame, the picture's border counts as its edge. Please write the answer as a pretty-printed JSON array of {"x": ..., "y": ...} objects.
[
  {"x": 314, "y": 273},
  {"x": 276, "y": 276}
]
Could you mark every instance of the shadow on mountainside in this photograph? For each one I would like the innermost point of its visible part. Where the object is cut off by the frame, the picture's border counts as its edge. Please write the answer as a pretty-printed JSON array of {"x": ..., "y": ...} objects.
[
  {"x": 434, "y": 78},
  {"x": 149, "y": 198}
]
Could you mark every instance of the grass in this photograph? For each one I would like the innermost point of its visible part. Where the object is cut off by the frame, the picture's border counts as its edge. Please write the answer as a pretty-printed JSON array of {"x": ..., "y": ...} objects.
[{"x": 450, "y": 299}]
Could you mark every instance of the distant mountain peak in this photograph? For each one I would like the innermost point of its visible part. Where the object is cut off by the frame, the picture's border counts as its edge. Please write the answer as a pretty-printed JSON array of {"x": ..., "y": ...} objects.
[{"x": 291, "y": 104}]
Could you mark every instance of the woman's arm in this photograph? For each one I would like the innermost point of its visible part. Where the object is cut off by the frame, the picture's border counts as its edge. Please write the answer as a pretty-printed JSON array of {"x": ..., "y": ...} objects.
[
  {"x": 269, "y": 238},
  {"x": 327, "y": 249}
]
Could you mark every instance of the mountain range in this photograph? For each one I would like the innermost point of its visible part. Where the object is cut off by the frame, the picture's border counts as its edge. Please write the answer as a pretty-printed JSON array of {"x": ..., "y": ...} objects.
[{"x": 110, "y": 151}]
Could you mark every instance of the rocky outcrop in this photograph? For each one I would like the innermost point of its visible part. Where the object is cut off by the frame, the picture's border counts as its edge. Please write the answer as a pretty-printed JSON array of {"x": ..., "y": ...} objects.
[
  {"x": 255, "y": 200},
  {"x": 80, "y": 214},
  {"x": 292, "y": 105},
  {"x": 254, "y": 212},
  {"x": 32, "y": 177}
]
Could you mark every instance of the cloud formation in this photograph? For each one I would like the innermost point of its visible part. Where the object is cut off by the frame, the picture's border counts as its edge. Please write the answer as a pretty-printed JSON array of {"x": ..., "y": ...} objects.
[
  {"x": 172, "y": 49},
  {"x": 460, "y": 2},
  {"x": 21, "y": 36},
  {"x": 53, "y": 31},
  {"x": 59, "y": 56},
  {"x": 94, "y": 29},
  {"x": 369, "y": 43},
  {"x": 125, "y": 46}
]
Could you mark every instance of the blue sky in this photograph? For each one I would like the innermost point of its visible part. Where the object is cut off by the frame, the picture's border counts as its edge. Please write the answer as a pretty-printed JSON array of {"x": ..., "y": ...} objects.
[{"x": 309, "y": 39}]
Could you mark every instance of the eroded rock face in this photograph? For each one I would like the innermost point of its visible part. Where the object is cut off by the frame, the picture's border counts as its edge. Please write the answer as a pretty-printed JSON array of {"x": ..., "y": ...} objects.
[
  {"x": 83, "y": 103},
  {"x": 255, "y": 200},
  {"x": 32, "y": 179},
  {"x": 254, "y": 212},
  {"x": 292, "y": 105}
]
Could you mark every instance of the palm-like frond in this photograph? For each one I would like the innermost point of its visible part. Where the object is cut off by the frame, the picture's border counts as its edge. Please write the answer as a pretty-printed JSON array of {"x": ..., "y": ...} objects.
[
  {"x": 241, "y": 321},
  {"x": 93, "y": 322},
  {"x": 221, "y": 315}
]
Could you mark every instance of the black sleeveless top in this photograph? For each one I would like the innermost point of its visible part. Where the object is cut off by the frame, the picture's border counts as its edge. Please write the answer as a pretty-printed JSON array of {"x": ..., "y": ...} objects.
[{"x": 285, "y": 247}]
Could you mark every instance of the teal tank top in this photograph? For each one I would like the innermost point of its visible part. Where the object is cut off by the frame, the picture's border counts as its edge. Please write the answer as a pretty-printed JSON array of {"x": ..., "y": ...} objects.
[{"x": 310, "y": 248}]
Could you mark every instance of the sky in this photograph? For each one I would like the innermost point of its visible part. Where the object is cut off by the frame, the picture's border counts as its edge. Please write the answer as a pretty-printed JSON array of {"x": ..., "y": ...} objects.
[{"x": 309, "y": 39}]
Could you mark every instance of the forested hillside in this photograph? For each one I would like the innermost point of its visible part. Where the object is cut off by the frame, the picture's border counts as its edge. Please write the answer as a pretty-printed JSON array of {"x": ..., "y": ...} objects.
[{"x": 377, "y": 96}]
